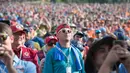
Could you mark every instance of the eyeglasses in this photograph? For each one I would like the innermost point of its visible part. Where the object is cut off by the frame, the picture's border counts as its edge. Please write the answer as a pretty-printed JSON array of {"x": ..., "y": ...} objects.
[
  {"x": 3, "y": 36},
  {"x": 65, "y": 31}
]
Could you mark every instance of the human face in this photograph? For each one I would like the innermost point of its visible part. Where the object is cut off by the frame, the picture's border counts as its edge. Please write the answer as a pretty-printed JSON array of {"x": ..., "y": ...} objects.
[
  {"x": 28, "y": 36},
  {"x": 78, "y": 38},
  {"x": 101, "y": 55},
  {"x": 64, "y": 34},
  {"x": 19, "y": 39}
]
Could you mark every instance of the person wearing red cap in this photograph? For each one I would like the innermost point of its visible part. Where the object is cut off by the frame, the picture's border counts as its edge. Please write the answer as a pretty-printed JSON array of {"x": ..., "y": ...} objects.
[
  {"x": 50, "y": 42},
  {"x": 20, "y": 50},
  {"x": 64, "y": 57},
  {"x": 9, "y": 62}
]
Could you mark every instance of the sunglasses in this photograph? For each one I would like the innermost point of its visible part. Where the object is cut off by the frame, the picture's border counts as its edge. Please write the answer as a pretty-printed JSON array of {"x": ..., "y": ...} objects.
[
  {"x": 3, "y": 36},
  {"x": 65, "y": 31}
]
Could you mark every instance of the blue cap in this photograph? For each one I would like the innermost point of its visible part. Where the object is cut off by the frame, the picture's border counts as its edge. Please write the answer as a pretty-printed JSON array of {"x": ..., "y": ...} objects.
[
  {"x": 103, "y": 29},
  {"x": 97, "y": 31}
]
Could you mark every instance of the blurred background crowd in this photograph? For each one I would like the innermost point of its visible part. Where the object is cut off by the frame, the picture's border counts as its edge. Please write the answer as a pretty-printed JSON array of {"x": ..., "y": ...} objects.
[{"x": 88, "y": 21}]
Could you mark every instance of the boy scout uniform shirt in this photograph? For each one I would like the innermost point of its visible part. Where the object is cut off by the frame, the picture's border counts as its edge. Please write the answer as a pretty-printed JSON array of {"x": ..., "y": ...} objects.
[
  {"x": 20, "y": 65},
  {"x": 28, "y": 54}
]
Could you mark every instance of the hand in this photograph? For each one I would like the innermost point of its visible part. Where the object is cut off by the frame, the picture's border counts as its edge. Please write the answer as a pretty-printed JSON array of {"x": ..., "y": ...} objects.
[
  {"x": 7, "y": 56},
  {"x": 124, "y": 57},
  {"x": 107, "y": 30},
  {"x": 112, "y": 56}
]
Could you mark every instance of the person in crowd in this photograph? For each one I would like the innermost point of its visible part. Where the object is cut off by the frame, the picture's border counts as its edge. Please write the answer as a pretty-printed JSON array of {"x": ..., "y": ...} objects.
[
  {"x": 28, "y": 41},
  {"x": 78, "y": 40},
  {"x": 98, "y": 34},
  {"x": 22, "y": 51},
  {"x": 63, "y": 58},
  {"x": 36, "y": 38},
  {"x": 89, "y": 42},
  {"x": 50, "y": 42},
  {"x": 105, "y": 56},
  {"x": 118, "y": 54},
  {"x": 9, "y": 62}
]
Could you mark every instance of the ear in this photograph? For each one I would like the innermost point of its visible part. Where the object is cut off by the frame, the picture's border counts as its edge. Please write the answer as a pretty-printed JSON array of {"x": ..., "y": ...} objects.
[
  {"x": 12, "y": 38},
  {"x": 57, "y": 36}
]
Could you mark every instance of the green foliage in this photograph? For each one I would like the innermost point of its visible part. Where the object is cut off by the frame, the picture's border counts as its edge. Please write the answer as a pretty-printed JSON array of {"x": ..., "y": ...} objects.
[{"x": 94, "y": 1}]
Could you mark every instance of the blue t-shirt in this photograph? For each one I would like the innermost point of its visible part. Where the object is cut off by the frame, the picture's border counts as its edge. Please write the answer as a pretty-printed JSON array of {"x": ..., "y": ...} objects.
[
  {"x": 39, "y": 40},
  {"x": 30, "y": 44},
  {"x": 56, "y": 62}
]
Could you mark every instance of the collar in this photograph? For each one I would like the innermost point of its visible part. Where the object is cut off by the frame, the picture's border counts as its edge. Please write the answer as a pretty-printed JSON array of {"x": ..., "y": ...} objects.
[
  {"x": 16, "y": 59},
  {"x": 58, "y": 45}
]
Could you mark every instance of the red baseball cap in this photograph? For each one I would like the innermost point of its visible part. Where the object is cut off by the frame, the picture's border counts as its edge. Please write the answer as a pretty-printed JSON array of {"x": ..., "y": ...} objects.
[
  {"x": 49, "y": 38},
  {"x": 61, "y": 27},
  {"x": 17, "y": 28}
]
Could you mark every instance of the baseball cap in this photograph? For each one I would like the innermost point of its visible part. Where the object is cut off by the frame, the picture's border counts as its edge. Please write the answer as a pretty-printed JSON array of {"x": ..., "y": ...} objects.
[
  {"x": 49, "y": 38},
  {"x": 17, "y": 28},
  {"x": 108, "y": 40},
  {"x": 97, "y": 31},
  {"x": 79, "y": 33},
  {"x": 26, "y": 30},
  {"x": 61, "y": 27}
]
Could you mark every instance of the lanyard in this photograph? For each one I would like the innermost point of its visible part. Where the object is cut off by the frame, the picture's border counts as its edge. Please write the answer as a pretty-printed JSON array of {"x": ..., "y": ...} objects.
[
  {"x": 67, "y": 57},
  {"x": 20, "y": 55}
]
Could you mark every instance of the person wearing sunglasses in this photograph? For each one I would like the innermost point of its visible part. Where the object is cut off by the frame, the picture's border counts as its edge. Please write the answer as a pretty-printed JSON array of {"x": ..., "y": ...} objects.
[
  {"x": 9, "y": 62},
  {"x": 63, "y": 57}
]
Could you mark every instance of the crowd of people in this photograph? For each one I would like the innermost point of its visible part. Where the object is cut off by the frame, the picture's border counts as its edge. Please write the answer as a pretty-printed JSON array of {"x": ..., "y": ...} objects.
[{"x": 64, "y": 38}]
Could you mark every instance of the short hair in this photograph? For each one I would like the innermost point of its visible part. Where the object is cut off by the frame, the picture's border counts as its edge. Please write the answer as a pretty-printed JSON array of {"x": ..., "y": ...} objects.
[{"x": 5, "y": 28}]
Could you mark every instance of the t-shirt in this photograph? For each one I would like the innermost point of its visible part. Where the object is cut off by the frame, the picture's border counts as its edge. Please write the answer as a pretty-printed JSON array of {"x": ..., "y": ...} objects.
[{"x": 55, "y": 63}]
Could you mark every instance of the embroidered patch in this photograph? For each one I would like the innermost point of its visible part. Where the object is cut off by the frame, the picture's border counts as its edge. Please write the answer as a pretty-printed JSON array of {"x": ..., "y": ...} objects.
[{"x": 26, "y": 55}]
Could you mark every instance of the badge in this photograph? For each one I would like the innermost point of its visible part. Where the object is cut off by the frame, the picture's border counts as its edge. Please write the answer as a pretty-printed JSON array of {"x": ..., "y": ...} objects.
[
  {"x": 26, "y": 54},
  {"x": 68, "y": 69}
]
